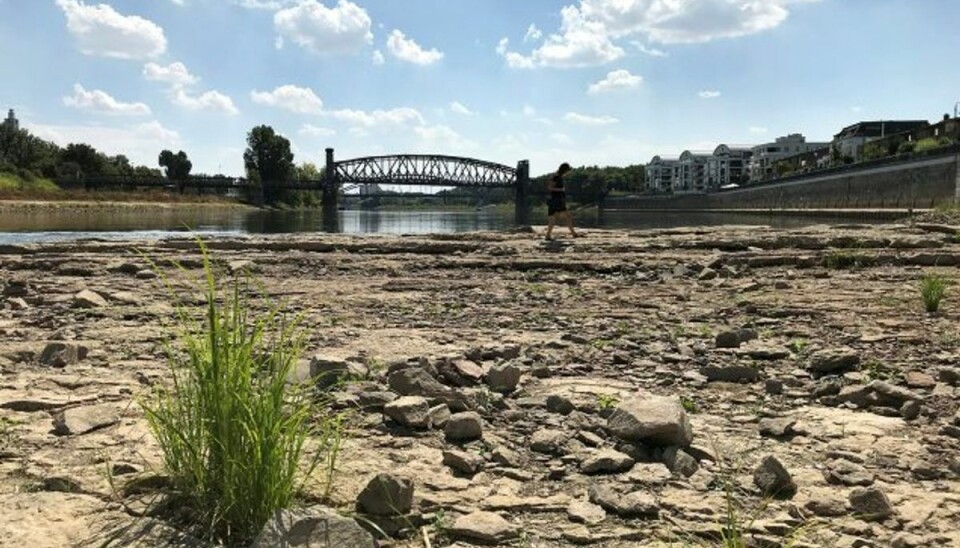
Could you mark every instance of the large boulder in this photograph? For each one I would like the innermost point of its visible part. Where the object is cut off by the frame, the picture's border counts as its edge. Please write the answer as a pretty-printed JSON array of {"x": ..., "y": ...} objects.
[
  {"x": 834, "y": 360},
  {"x": 503, "y": 378},
  {"x": 416, "y": 381},
  {"x": 59, "y": 354},
  {"x": 386, "y": 495},
  {"x": 88, "y": 299},
  {"x": 463, "y": 427},
  {"x": 652, "y": 420},
  {"x": 773, "y": 479},
  {"x": 412, "y": 411},
  {"x": 870, "y": 504},
  {"x": 312, "y": 528},
  {"x": 485, "y": 528}
]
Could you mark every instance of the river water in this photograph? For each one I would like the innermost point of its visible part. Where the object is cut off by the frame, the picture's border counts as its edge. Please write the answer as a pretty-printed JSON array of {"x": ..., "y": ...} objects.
[{"x": 40, "y": 225}]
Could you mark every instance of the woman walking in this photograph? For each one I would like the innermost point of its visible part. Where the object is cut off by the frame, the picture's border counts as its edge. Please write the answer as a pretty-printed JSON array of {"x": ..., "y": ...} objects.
[{"x": 557, "y": 202}]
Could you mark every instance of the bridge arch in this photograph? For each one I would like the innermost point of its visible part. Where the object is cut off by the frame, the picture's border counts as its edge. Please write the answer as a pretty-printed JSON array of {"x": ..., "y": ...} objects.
[{"x": 427, "y": 170}]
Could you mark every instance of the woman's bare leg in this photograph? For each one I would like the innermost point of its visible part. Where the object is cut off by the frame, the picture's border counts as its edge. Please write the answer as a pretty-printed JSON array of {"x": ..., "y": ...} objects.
[
  {"x": 570, "y": 224},
  {"x": 551, "y": 220}
]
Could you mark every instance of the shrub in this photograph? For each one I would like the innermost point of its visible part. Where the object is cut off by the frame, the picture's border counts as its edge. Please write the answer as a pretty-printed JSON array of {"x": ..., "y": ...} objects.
[
  {"x": 907, "y": 147},
  {"x": 232, "y": 429},
  {"x": 932, "y": 288},
  {"x": 931, "y": 143}
]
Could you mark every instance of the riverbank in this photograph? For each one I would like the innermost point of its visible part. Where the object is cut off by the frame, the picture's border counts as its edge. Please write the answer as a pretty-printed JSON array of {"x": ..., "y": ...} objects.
[
  {"x": 809, "y": 346},
  {"x": 116, "y": 201}
]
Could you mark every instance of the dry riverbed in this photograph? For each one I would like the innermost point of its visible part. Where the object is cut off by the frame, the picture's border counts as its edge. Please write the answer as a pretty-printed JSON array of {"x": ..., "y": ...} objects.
[{"x": 629, "y": 387}]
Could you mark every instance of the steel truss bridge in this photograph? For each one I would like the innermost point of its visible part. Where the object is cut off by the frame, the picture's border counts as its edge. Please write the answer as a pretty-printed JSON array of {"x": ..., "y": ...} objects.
[{"x": 424, "y": 170}]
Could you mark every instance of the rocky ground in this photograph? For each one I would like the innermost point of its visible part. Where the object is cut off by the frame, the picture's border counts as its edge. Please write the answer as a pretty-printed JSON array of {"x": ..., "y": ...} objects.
[{"x": 624, "y": 389}]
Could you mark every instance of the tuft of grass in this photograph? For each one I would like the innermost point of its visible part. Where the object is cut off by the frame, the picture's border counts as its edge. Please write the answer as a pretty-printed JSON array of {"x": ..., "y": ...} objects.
[
  {"x": 232, "y": 430},
  {"x": 689, "y": 405},
  {"x": 841, "y": 259},
  {"x": 933, "y": 289},
  {"x": 607, "y": 401}
]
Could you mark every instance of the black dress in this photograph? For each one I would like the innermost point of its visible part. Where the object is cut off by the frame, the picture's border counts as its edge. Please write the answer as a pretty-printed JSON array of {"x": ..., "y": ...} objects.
[{"x": 558, "y": 198}]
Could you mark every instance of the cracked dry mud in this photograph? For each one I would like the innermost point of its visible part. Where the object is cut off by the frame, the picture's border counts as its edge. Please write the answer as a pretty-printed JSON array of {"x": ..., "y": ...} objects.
[{"x": 809, "y": 345}]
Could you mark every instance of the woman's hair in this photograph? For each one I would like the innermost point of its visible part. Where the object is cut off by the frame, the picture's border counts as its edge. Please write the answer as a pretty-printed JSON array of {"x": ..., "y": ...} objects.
[{"x": 564, "y": 167}]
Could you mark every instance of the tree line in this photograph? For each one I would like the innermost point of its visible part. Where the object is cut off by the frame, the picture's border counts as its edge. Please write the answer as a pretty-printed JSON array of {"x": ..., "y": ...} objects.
[{"x": 268, "y": 161}]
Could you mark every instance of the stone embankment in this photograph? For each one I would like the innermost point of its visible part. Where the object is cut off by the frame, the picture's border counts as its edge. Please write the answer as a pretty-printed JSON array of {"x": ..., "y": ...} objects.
[{"x": 625, "y": 389}]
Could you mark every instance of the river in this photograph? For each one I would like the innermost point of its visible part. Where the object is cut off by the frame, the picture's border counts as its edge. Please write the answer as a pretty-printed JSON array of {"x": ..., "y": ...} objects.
[{"x": 50, "y": 224}]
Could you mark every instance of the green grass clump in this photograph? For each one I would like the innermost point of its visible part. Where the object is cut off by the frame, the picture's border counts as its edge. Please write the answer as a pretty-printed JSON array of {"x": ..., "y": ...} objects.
[
  {"x": 232, "y": 429},
  {"x": 932, "y": 289},
  {"x": 9, "y": 181}
]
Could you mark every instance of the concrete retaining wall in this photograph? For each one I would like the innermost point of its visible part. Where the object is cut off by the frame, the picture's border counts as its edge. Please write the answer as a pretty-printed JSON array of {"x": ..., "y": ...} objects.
[{"x": 917, "y": 184}]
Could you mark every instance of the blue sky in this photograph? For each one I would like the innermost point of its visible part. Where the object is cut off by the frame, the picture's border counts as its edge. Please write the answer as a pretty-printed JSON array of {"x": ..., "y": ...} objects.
[{"x": 606, "y": 82}]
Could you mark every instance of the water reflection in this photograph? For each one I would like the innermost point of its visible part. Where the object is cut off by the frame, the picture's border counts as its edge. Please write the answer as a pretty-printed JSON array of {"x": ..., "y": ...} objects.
[{"x": 45, "y": 225}]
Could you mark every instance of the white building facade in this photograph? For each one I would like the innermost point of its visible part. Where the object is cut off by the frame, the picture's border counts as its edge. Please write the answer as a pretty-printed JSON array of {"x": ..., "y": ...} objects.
[
  {"x": 660, "y": 174},
  {"x": 728, "y": 166}
]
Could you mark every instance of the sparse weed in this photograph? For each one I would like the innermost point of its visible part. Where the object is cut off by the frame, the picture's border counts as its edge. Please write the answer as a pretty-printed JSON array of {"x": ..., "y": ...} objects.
[
  {"x": 600, "y": 344},
  {"x": 841, "y": 259},
  {"x": 875, "y": 370},
  {"x": 705, "y": 331},
  {"x": 9, "y": 437},
  {"x": 889, "y": 301},
  {"x": 606, "y": 401},
  {"x": 933, "y": 288},
  {"x": 689, "y": 405},
  {"x": 797, "y": 346}
]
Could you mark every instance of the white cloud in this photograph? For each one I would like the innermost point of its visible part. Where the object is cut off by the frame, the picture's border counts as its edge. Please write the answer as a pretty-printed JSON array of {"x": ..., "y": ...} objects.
[
  {"x": 178, "y": 2},
  {"x": 709, "y": 94},
  {"x": 757, "y": 130},
  {"x": 141, "y": 143},
  {"x": 856, "y": 109},
  {"x": 289, "y": 97},
  {"x": 211, "y": 101},
  {"x": 175, "y": 74},
  {"x": 102, "y": 103},
  {"x": 580, "y": 43},
  {"x": 615, "y": 80},
  {"x": 529, "y": 111},
  {"x": 314, "y": 27},
  {"x": 459, "y": 108},
  {"x": 101, "y": 30},
  {"x": 533, "y": 34},
  {"x": 652, "y": 52},
  {"x": 378, "y": 58},
  {"x": 358, "y": 132},
  {"x": 687, "y": 21},
  {"x": 309, "y": 130},
  {"x": 397, "y": 117},
  {"x": 263, "y": 4},
  {"x": 561, "y": 138},
  {"x": 585, "y": 120},
  {"x": 406, "y": 49},
  {"x": 502, "y": 46},
  {"x": 442, "y": 137}
]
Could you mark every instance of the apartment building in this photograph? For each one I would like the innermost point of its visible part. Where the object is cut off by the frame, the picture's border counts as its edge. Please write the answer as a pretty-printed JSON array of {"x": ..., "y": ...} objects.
[
  {"x": 764, "y": 156},
  {"x": 660, "y": 174},
  {"x": 728, "y": 166}
]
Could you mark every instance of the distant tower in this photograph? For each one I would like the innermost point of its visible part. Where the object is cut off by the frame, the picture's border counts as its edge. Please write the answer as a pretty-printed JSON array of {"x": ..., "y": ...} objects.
[{"x": 11, "y": 121}]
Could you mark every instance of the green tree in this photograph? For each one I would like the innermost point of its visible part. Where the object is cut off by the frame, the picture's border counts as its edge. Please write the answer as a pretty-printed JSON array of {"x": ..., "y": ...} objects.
[
  {"x": 268, "y": 160},
  {"x": 178, "y": 166},
  {"x": 85, "y": 157}
]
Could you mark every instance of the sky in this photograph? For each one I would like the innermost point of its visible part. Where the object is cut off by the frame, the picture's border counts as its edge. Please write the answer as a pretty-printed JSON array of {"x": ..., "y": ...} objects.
[{"x": 590, "y": 82}]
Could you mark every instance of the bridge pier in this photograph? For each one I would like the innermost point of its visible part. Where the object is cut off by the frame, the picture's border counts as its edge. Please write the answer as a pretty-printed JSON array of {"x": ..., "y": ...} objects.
[
  {"x": 522, "y": 196},
  {"x": 330, "y": 190}
]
